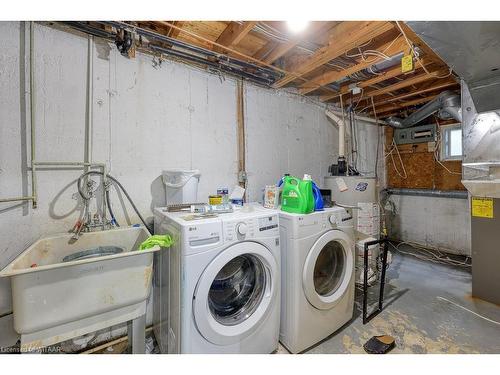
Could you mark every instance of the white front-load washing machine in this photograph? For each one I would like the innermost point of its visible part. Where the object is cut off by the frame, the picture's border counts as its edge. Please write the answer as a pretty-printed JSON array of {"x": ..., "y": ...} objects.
[
  {"x": 317, "y": 276},
  {"x": 217, "y": 289}
]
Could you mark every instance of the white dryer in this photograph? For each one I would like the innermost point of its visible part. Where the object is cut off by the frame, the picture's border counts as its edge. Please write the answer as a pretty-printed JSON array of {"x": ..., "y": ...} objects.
[
  {"x": 317, "y": 276},
  {"x": 217, "y": 289}
]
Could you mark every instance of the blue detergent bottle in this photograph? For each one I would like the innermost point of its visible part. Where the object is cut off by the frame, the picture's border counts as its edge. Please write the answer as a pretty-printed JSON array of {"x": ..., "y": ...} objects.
[{"x": 318, "y": 199}]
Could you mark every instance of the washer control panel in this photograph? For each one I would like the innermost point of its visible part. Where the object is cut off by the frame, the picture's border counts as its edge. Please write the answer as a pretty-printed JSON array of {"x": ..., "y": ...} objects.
[{"x": 250, "y": 228}]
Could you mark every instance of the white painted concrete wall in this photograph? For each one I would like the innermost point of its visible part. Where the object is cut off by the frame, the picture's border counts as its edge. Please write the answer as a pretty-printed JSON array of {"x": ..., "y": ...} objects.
[
  {"x": 296, "y": 139},
  {"x": 145, "y": 119},
  {"x": 433, "y": 222}
]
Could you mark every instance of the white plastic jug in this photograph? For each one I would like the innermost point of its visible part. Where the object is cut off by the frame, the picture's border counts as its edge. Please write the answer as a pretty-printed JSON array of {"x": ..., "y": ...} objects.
[{"x": 181, "y": 185}]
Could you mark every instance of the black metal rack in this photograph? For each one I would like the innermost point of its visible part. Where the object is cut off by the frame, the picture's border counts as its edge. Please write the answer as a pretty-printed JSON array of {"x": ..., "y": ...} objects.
[{"x": 367, "y": 317}]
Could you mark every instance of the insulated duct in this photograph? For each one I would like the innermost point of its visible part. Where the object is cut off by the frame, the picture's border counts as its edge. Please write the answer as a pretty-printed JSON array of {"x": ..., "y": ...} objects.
[{"x": 447, "y": 104}]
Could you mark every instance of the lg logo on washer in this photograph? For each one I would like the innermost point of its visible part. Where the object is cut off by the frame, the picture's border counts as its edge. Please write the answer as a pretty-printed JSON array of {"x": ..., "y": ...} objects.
[{"x": 192, "y": 228}]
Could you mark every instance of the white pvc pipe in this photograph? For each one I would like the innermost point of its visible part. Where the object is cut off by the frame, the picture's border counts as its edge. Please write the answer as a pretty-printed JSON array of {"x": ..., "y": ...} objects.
[
  {"x": 360, "y": 118},
  {"x": 341, "y": 126}
]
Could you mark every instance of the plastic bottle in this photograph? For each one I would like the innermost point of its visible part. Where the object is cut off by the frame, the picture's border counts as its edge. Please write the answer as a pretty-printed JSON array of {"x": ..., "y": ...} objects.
[
  {"x": 318, "y": 199},
  {"x": 310, "y": 200},
  {"x": 297, "y": 196}
]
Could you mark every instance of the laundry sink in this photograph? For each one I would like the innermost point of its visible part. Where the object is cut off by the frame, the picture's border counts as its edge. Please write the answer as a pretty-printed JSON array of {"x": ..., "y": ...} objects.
[{"x": 62, "y": 288}]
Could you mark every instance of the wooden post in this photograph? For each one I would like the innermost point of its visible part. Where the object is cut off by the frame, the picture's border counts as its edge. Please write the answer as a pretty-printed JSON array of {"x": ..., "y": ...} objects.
[{"x": 241, "y": 134}]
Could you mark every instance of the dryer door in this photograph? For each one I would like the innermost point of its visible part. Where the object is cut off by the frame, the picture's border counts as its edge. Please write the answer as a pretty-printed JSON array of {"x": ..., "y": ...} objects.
[
  {"x": 235, "y": 292},
  {"x": 328, "y": 269}
]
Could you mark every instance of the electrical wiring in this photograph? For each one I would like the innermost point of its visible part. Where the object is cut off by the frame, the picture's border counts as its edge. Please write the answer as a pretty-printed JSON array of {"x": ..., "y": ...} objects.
[
  {"x": 394, "y": 147},
  {"x": 466, "y": 309},
  {"x": 372, "y": 52},
  {"x": 360, "y": 97},
  {"x": 428, "y": 254},
  {"x": 436, "y": 152}
]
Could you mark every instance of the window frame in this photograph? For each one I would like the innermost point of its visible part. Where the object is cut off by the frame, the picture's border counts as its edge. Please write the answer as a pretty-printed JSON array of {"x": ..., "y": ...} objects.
[{"x": 443, "y": 129}]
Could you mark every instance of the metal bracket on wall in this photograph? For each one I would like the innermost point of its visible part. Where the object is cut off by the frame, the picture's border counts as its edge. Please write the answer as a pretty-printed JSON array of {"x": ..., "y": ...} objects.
[
  {"x": 242, "y": 177},
  {"x": 367, "y": 317}
]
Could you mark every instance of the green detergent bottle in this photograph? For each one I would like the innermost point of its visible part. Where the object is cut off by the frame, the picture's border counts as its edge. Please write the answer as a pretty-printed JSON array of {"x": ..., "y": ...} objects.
[{"x": 297, "y": 196}]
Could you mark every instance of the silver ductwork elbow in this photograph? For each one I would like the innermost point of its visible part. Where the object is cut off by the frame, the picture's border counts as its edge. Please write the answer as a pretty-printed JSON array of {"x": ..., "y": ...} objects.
[{"x": 447, "y": 104}]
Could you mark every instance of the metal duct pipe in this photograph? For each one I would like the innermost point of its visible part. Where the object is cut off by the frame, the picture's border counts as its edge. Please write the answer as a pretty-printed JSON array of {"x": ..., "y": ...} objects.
[
  {"x": 384, "y": 64},
  {"x": 457, "y": 194},
  {"x": 447, "y": 104}
]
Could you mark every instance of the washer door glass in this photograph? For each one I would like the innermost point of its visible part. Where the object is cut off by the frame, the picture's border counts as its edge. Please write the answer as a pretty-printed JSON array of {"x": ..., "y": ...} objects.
[
  {"x": 237, "y": 290},
  {"x": 329, "y": 268}
]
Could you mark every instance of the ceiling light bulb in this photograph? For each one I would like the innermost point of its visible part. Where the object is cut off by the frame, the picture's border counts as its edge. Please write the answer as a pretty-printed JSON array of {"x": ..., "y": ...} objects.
[{"x": 296, "y": 26}]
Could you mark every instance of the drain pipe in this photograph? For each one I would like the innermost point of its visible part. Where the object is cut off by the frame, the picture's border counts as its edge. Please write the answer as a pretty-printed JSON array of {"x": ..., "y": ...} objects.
[
  {"x": 369, "y": 120},
  {"x": 341, "y": 125}
]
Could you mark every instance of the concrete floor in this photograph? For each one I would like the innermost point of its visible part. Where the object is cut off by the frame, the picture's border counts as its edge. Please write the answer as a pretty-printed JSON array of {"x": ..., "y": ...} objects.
[{"x": 415, "y": 316}]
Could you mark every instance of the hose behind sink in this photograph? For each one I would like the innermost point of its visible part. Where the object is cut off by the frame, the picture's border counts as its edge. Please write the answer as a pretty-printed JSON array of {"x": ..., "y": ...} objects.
[{"x": 86, "y": 197}]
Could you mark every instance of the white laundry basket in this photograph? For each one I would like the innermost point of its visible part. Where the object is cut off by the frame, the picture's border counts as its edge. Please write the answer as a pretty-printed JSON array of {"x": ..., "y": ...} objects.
[{"x": 181, "y": 185}]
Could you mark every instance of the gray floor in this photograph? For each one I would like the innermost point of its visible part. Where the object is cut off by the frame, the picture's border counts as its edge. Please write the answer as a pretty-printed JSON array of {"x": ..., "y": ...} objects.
[{"x": 419, "y": 320}]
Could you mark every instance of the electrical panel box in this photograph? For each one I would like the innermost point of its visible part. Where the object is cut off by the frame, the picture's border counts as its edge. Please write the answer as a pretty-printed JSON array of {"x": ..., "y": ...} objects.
[{"x": 417, "y": 134}]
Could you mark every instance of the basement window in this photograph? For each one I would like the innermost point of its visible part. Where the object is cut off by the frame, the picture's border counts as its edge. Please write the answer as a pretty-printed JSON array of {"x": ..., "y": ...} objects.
[{"x": 451, "y": 142}]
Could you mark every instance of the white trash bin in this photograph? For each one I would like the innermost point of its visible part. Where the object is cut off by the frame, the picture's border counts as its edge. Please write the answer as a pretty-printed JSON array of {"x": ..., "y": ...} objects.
[{"x": 181, "y": 185}]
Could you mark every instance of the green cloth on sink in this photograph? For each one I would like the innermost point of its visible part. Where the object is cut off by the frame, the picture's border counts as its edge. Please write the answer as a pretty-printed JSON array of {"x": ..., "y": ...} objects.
[{"x": 162, "y": 240}]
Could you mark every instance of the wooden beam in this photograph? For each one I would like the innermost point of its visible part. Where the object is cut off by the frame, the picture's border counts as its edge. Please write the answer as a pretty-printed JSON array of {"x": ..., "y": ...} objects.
[
  {"x": 418, "y": 78},
  {"x": 174, "y": 33},
  {"x": 237, "y": 53},
  {"x": 439, "y": 86},
  {"x": 284, "y": 47},
  {"x": 234, "y": 33},
  {"x": 281, "y": 49},
  {"x": 343, "y": 38},
  {"x": 265, "y": 50},
  {"x": 392, "y": 107},
  {"x": 240, "y": 111},
  {"x": 390, "y": 48},
  {"x": 395, "y": 71}
]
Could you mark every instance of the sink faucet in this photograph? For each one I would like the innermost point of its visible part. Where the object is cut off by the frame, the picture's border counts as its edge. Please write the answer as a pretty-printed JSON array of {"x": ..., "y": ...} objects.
[{"x": 88, "y": 224}]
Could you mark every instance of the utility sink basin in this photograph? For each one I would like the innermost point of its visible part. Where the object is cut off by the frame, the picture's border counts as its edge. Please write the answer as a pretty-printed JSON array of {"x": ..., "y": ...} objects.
[{"x": 62, "y": 288}]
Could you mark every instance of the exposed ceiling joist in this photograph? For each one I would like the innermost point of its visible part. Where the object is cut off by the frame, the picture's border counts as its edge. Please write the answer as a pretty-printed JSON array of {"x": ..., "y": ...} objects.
[
  {"x": 390, "y": 49},
  {"x": 284, "y": 47},
  {"x": 265, "y": 53},
  {"x": 343, "y": 38},
  {"x": 439, "y": 86},
  {"x": 415, "y": 79},
  {"x": 393, "y": 72},
  {"x": 392, "y": 107},
  {"x": 281, "y": 49},
  {"x": 265, "y": 50},
  {"x": 234, "y": 33},
  {"x": 173, "y": 33}
]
